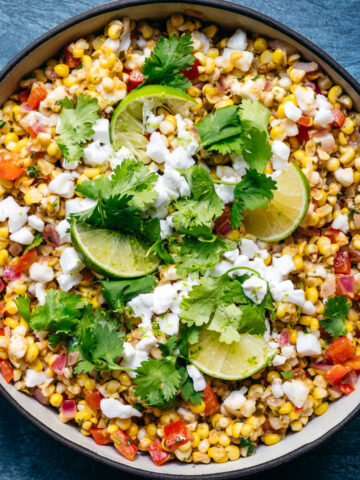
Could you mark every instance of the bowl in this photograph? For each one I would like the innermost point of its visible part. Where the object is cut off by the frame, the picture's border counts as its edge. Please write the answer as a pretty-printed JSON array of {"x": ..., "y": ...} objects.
[{"x": 229, "y": 16}]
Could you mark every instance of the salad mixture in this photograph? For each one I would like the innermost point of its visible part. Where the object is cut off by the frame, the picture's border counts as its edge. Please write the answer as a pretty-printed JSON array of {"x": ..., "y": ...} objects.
[{"x": 180, "y": 239}]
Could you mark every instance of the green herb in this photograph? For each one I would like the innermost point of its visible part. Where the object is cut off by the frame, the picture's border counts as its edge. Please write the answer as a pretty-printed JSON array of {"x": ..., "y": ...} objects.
[
  {"x": 288, "y": 374},
  {"x": 168, "y": 60},
  {"x": 23, "y": 306},
  {"x": 38, "y": 240},
  {"x": 335, "y": 313},
  {"x": 2, "y": 123},
  {"x": 54, "y": 203},
  {"x": 75, "y": 125},
  {"x": 118, "y": 292},
  {"x": 80, "y": 66},
  {"x": 33, "y": 171}
]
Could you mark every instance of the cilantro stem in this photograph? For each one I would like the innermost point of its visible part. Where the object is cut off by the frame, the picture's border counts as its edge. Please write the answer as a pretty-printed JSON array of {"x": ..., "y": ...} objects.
[
  {"x": 242, "y": 268},
  {"x": 222, "y": 182}
]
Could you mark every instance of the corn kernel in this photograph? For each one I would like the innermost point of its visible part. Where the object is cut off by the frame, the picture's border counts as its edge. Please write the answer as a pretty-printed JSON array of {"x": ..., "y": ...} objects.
[
  {"x": 233, "y": 452},
  {"x": 246, "y": 429},
  {"x": 271, "y": 439},
  {"x": 279, "y": 57},
  {"x": 277, "y": 133},
  {"x": 114, "y": 30},
  {"x": 151, "y": 429},
  {"x": 272, "y": 375},
  {"x": 296, "y": 426},
  {"x": 61, "y": 70},
  {"x": 124, "y": 423},
  {"x": 133, "y": 430},
  {"x": 32, "y": 353},
  {"x": 321, "y": 409},
  {"x": 312, "y": 294},
  {"x": 198, "y": 408},
  {"x": 203, "y": 430},
  {"x": 56, "y": 400},
  {"x": 37, "y": 365}
]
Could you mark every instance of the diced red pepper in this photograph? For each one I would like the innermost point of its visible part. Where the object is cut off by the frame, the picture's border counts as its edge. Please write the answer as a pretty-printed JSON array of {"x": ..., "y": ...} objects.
[
  {"x": 331, "y": 233},
  {"x": 340, "y": 350},
  {"x": 37, "y": 95},
  {"x": 11, "y": 165},
  {"x": 26, "y": 261},
  {"x": 193, "y": 72},
  {"x": 70, "y": 60},
  {"x": 136, "y": 78},
  {"x": 2, "y": 332},
  {"x": 158, "y": 455},
  {"x": 6, "y": 370},
  {"x": 93, "y": 399},
  {"x": 175, "y": 434},
  {"x": 23, "y": 96},
  {"x": 35, "y": 129},
  {"x": 124, "y": 444},
  {"x": 211, "y": 401},
  {"x": 304, "y": 121},
  {"x": 339, "y": 117},
  {"x": 353, "y": 363},
  {"x": 345, "y": 285},
  {"x": 342, "y": 264},
  {"x": 336, "y": 373},
  {"x": 101, "y": 436},
  {"x": 303, "y": 133},
  {"x": 222, "y": 224},
  {"x": 346, "y": 388}
]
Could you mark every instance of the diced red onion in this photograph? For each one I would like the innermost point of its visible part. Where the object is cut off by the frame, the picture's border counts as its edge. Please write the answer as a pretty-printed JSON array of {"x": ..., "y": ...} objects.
[
  {"x": 328, "y": 287},
  {"x": 51, "y": 236},
  {"x": 306, "y": 66},
  {"x": 324, "y": 367},
  {"x": 68, "y": 409},
  {"x": 73, "y": 358},
  {"x": 284, "y": 338},
  {"x": 268, "y": 86},
  {"x": 310, "y": 85},
  {"x": 10, "y": 273},
  {"x": 354, "y": 140},
  {"x": 7, "y": 331},
  {"x": 351, "y": 378},
  {"x": 40, "y": 397},
  {"x": 336, "y": 389},
  {"x": 24, "y": 107},
  {"x": 59, "y": 364},
  {"x": 345, "y": 284},
  {"x": 325, "y": 139}
]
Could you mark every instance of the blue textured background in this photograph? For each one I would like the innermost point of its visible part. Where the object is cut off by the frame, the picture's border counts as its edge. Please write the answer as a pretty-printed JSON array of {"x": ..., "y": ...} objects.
[{"x": 28, "y": 454}]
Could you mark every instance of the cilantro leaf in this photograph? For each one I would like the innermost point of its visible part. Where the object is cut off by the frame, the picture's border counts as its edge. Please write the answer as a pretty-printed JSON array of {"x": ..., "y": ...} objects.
[
  {"x": 75, "y": 125},
  {"x": 254, "y": 190},
  {"x": 168, "y": 59},
  {"x": 226, "y": 321},
  {"x": 188, "y": 392},
  {"x": 335, "y": 313},
  {"x": 253, "y": 115},
  {"x": 256, "y": 149},
  {"x": 118, "y": 292},
  {"x": 288, "y": 374},
  {"x": 23, "y": 306},
  {"x": 38, "y": 240}
]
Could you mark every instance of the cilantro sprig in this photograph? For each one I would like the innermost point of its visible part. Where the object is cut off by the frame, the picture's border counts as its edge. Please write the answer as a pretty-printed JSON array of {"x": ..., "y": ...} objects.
[
  {"x": 169, "y": 58},
  {"x": 75, "y": 127},
  {"x": 335, "y": 313}
]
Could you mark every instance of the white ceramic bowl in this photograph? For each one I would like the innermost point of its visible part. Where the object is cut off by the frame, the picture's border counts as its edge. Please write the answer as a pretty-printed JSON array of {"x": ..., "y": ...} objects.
[{"x": 228, "y": 16}]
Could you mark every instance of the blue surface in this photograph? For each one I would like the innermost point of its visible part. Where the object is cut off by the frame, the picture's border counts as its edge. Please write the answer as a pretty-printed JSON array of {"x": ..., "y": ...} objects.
[{"x": 28, "y": 454}]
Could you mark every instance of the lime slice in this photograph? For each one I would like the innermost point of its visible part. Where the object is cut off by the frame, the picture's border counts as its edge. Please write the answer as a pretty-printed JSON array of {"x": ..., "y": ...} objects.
[
  {"x": 111, "y": 253},
  {"x": 127, "y": 122},
  {"x": 230, "y": 362},
  {"x": 286, "y": 210}
]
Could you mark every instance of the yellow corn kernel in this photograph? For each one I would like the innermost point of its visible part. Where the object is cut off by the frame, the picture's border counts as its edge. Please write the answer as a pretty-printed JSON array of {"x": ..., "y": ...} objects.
[
  {"x": 32, "y": 196},
  {"x": 271, "y": 439},
  {"x": 202, "y": 430},
  {"x": 86, "y": 60},
  {"x": 133, "y": 430},
  {"x": 124, "y": 423},
  {"x": 356, "y": 177},
  {"x": 296, "y": 426},
  {"x": 314, "y": 324},
  {"x": 125, "y": 379},
  {"x": 298, "y": 262},
  {"x": 37, "y": 365},
  {"x": 108, "y": 84},
  {"x": 115, "y": 29},
  {"x": 198, "y": 408},
  {"x": 272, "y": 375},
  {"x": 151, "y": 429},
  {"x": 9, "y": 138},
  {"x": 280, "y": 113},
  {"x": 226, "y": 102},
  {"x": 89, "y": 384},
  {"x": 32, "y": 353},
  {"x": 213, "y": 53},
  {"x": 286, "y": 408},
  {"x": 98, "y": 42},
  {"x": 349, "y": 326},
  {"x": 11, "y": 307},
  {"x": 281, "y": 310},
  {"x": 266, "y": 57},
  {"x": 246, "y": 429},
  {"x": 321, "y": 409},
  {"x": 260, "y": 44},
  {"x": 277, "y": 133},
  {"x": 193, "y": 91},
  {"x": 218, "y": 454},
  {"x": 293, "y": 337},
  {"x": 53, "y": 149},
  {"x": 332, "y": 164},
  {"x": 70, "y": 81},
  {"x": 61, "y": 70},
  {"x": 312, "y": 294},
  {"x": 83, "y": 416},
  {"x": 233, "y": 452},
  {"x": 56, "y": 400},
  {"x": 210, "y": 31},
  {"x": 109, "y": 61},
  {"x": 348, "y": 155},
  {"x": 334, "y": 94},
  {"x": 112, "y": 428},
  {"x": 4, "y": 257},
  {"x": 279, "y": 57},
  {"x": 210, "y": 66},
  {"x": 4, "y": 232},
  {"x": 224, "y": 440},
  {"x": 11, "y": 322},
  {"x": 295, "y": 74},
  {"x": 78, "y": 52},
  {"x": 196, "y": 440}
]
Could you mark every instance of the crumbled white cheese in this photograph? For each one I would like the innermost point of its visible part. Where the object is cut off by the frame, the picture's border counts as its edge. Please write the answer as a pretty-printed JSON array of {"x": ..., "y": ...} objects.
[
  {"x": 163, "y": 296},
  {"x": 38, "y": 290},
  {"x": 292, "y": 111},
  {"x": 96, "y": 154},
  {"x": 63, "y": 230},
  {"x": 197, "y": 377},
  {"x": 113, "y": 408},
  {"x": 276, "y": 387},
  {"x": 63, "y": 185},
  {"x": 118, "y": 157},
  {"x": 307, "y": 344},
  {"x": 278, "y": 360},
  {"x": 41, "y": 272},
  {"x": 249, "y": 248},
  {"x": 323, "y": 117},
  {"x": 70, "y": 261},
  {"x": 101, "y": 131},
  {"x": 77, "y": 205},
  {"x": 67, "y": 281},
  {"x": 255, "y": 288},
  {"x": 226, "y": 192},
  {"x": 34, "y": 378},
  {"x": 23, "y": 236},
  {"x": 345, "y": 176},
  {"x": 36, "y": 223},
  {"x": 143, "y": 306},
  {"x": 169, "y": 323},
  {"x": 341, "y": 222},
  {"x": 284, "y": 264},
  {"x": 296, "y": 391},
  {"x": 234, "y": 402},
  {"x": 280, "y": 154}
]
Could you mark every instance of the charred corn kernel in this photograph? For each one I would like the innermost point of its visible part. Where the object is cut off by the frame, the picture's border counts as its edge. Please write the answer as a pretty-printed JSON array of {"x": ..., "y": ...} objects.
[
  {"x": 151, "y": 429},
  {"x": 37, "y": 365},
  {"x": 233, "y": 452},
  {"x": 226, "y": 102},
  {"x": 61, "y": 69},
  {"x": 11, "y": 322},
  {"x": 176, "y": 20},
  {"x": 202, "y": 430},
  {"x": 193, "y": 91},
  {"x": 319, "y": 393},
  {"x": 89, "y": 384},
  {"x": 281, "y": 310},
  {"x": 210, "y": 31},
  {"x": 108, "y": 84},
  {"x": 312, "y": 294},
  {"x": 11, "y": 307},
  {"x": 342, "y": 138},
  {"x": 216, "y": 419},
  {"x": 198, "y": 408},
  {"x": 224, "y": 440},
  {"x": 272, "y": 375},
  {"x": 4, "y": 257},
  {"x": 32, "y": 353},
  {"x": 278, "y": 57},
  {"x": 246, "y": 429},
  {"x": 348, "y": 155},
  {"x": 321, "y": 409},
  {"x": 185, "y": 447},
  {"x": 98, "y": 42},
  {"x": 10, "y": 137},
  {"x": 133, "y": 430},
  {"x": 123, "y": 423},
  {"x": 296, "y": 75},
  {"x": 266, "y": 57},
  {"x": 213, "y": 437},
  {"x": 286, "y": 408},
  {"x": 32, "y": 196},
  {"x": 56, "y": 400},
  {"x": 271, "y": 439},
  {"x": 218, "y": 454},
  {"x": 260, "y": 44},
  {"x": 332, "y": 164},
  {"x": 277, "y": 133},
  {"x": 109, "y": 61},
  {"x": 296, "y": 426},
  {"x": 334, "y": 94}
]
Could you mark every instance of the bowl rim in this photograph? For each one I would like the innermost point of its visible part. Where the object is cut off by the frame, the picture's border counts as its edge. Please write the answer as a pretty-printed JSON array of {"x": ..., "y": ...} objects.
[{"x": 309, "y": 45}]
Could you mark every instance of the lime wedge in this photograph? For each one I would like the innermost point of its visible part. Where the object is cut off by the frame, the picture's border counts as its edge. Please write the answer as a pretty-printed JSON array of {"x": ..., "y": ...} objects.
[
  {"x": 233, "y": 361},
  {"x": 111, "y": 253},
  {"x": 127, "y": 122},
  {"x": 286, "y": 210}
]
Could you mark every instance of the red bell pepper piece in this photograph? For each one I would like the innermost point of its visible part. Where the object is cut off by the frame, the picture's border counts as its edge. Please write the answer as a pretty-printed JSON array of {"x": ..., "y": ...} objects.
[
  {"x": 35, "y": 129},
  {"x": 23, "y": 96},
  {"x": 158, "y": 455},
  {"x": 70, "y": 60},
  {"x": 339, "y": 117},
  {"x": 101, "y": 436},
  {"x": 304, "y": 121},
  {"x": 175, "y": 434},
  {"x": 340, "y": 350},
  {"x": 2, "y": 332},
  {"x": 11, "y": 165},
  {"x": 346, "y": 388},
  {"x": 136, "y": 78},
  {"x": 211, "y": 402},
  {"x": 124, "y": 444},
  {"x": 303, "y": 133},
  {"x": 6, "y": 370},
  {"x": 342, "y": 264},
  {"x": 336, "y": 373},
  {"x": 353, "y": 363},
  {"x": 93, "y": 399},
  {"x": 331, "y": 233},
  {"x": 26, "y": 260},
  {"x": 37, "y": 95},
  {"x": 193, "y": 72}
]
